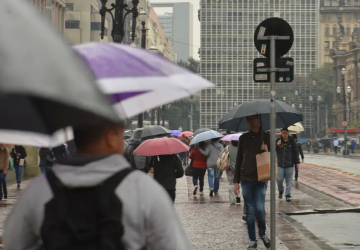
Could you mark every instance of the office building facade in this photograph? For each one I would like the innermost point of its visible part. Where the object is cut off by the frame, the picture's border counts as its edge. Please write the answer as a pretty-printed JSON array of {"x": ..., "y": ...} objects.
[
  {"x": 178, "y": 27},
  {"x": 227, "y": 49}
]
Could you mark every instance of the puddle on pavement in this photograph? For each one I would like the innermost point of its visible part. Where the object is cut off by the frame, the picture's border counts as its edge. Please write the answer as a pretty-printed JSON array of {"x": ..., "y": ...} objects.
[{"x": 338, "y": 230}]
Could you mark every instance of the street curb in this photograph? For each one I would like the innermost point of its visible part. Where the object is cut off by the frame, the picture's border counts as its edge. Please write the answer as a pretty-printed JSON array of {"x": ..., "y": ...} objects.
[
  {"x": 330, "y": 168},
  {"x": 325, "y": 211}
]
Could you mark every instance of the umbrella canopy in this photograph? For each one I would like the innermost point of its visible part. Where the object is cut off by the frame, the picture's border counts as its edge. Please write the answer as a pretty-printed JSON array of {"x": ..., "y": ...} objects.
[
  {"x": 137, "y": 79},
  {"x": 205, "y": 136},
  {"x": 176, "y": 132},
  {"x": 187, "y": 133},
  {"x": 154, "y": 131},
  {"x": 231, "y": 137},
  {"x": 236, "y": 118},
  {"x": 297, "y": 127},
  {"x": 44, "y": 85},
  {"x": 201, "y": 130},
  {"x": 161, "y": 146}
]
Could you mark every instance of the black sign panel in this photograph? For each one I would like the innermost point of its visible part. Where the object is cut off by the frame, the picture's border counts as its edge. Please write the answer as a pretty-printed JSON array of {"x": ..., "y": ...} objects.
[
  {"x": 285, "y": 65},
  {"x": 273, "y": 27}
]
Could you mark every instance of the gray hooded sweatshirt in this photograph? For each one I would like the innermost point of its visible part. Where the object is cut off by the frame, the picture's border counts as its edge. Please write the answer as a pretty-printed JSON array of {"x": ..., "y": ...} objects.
[
  {"x": 148, "y": 217},
  {"x": 212, "y": 153}
]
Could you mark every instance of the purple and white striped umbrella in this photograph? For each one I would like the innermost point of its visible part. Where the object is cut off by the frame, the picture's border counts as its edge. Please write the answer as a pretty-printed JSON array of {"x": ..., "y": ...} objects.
[
  {"x": 136, "y": 79},
  {"x": 231, "y": 137}
]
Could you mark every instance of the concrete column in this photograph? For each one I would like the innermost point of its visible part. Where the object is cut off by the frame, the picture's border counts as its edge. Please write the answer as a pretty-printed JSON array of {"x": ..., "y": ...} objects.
[{"x": 32, "y": 162}]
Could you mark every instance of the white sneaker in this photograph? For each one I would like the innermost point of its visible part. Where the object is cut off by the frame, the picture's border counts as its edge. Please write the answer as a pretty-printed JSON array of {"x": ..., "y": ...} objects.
[{"x": 201, "y": 193}]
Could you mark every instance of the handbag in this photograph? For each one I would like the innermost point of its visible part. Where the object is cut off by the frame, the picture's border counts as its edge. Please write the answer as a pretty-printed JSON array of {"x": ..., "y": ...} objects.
[{"x": 188, "y": 171}]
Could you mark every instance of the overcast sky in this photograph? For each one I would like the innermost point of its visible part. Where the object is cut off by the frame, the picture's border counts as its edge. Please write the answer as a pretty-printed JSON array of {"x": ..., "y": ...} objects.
[{"x": 196, "y": 23}]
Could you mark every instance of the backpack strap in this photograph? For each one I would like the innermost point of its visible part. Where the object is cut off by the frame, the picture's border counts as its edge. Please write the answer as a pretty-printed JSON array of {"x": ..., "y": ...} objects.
[
  {"x": 111, "y": 184},
  {"x": 56, "y": 185}
]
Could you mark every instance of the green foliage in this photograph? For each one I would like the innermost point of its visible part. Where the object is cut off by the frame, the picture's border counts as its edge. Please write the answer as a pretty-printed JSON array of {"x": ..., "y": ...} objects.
[
  {"x": 355, "y": 125},
  {"x": 192, "y": 65}
]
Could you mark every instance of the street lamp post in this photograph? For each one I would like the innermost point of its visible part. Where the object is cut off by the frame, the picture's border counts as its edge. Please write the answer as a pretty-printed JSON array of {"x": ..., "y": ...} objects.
[
  {"x": 342, "y": 91},
  {"x": 311, "y": 118},
  {"x": 119, "y": 6},
  {"x": 318, "y": 115},
  {"x": 348, "y": 89}
]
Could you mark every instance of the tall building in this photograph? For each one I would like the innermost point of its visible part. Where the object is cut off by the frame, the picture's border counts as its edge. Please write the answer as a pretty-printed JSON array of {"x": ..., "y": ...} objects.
[
  {"x": 227, "y": 49},
  {"x": 54, "y": 10},
  {"x": 178, "y": 26},
  {"x": 338, "y": 21},
  {"x": 83, "y": 22}
]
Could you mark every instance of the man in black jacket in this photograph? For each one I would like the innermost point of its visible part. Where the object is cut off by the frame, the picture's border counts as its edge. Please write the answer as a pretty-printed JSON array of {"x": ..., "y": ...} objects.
[
  {"x": 301, "y": 154},
  {"x": 250, "y": 144},
  {"x": 287, "y": 155}
]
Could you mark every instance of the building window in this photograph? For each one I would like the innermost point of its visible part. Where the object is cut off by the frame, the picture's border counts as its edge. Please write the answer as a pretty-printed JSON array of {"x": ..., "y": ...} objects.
[
  {"x": 356, "y": 2},
  {"x": 334, "y": 31},
  {"x": 327, "y": 45},
  {"x": 348, "y": 31},
  {"x": 356, "y": 17},
  {"x": 95, "y": 25},
  {"x": 327, "y": 17},
  {"x": 327, "y": 3},
  {"x": 70, "y": 6},
  {"x": 348, "y": 17},
  {"x": 335, "y": 2},
  {"x": 334, "y": 44},
  {"x": 72, "y": 24},
  {"x": 327, "y": 31}
]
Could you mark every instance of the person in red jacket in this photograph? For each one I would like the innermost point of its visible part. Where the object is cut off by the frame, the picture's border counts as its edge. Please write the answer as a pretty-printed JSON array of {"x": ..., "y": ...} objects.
[{"x": 198, "y": 163}]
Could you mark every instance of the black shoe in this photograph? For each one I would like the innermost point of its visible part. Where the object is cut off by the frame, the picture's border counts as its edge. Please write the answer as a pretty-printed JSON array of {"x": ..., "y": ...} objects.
[
  {"x": 212, "y": 192},
  {"x": 18, "y": 185},
  {"x": 288, "y": 198},
  {"x": 238, "y": 200},
  {"x": 252, "y": 245},
  {"x": 244, "y": 217},
  {"x": 266, "y": 241},
  {"x": 281, "y": 195}
]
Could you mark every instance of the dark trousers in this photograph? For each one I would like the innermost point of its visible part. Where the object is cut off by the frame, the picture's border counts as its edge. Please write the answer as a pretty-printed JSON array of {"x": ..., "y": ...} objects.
[
  {"x": 172, "y": 194},
  {"x": 296, "y": 173},
  {"x": 336, "y": 149},
  {"x": 198, "y": 174},
  {"x": 3, "y": 188}
]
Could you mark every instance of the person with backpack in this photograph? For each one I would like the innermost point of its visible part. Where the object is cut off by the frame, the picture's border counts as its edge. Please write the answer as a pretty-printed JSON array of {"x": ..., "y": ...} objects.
[
  {"x": 287, "y": 155},
  {"x": 168, "y": 168},
  {"x": 301, "y": 154},
  {"x": 198, "y": 164},
  {"x": 18, "y": 153},
  {"x": 93, "y": 200},
  {"x": 212, "y": 153},
  {"x": 250, "y": 144},
  {"x": 4, "y": 165},
  {"x": 47, "y": 160},
  {"x": 137, "y": 162}
]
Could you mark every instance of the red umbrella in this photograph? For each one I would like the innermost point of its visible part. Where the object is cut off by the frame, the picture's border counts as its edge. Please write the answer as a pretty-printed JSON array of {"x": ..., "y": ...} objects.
[
  {"x": 186, "y": 133},
  {"x": 161, "y": 146}
]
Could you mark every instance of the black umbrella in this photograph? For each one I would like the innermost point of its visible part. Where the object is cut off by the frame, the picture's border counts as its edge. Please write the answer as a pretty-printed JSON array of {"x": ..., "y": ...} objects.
[
  {"x": 200, "y": 130},
  {"x": 44, "y": 85},
  {"x": 154, "y": 131},
  {"x": 236, "y": 119}
]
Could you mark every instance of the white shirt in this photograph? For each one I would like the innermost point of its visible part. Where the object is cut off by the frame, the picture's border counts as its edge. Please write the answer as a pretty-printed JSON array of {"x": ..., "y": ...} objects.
[{"x": 336, "y": 143}]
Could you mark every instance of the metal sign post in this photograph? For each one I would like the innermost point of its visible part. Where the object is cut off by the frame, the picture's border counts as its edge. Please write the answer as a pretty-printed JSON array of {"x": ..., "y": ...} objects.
[{"x": 277, "y": 30}]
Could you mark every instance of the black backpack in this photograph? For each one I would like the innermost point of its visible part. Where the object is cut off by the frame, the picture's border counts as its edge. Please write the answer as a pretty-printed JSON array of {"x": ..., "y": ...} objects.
[{"x": 84, "y": 218}]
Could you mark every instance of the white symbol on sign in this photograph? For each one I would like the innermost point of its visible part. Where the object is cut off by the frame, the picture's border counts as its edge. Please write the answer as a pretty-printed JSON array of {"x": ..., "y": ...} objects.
[
  {"x": 290, "y": 63},
  {"x": 344, "y": 123},
  {"x": 260, "y": 64},
  {"x": 261, "y": 32},
  {"x": 281, "y": 79},
  {"x": 261, "y": 77}
]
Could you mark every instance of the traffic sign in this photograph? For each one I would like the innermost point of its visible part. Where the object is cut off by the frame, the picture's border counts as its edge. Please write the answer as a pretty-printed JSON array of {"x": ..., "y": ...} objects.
[
  {"x": 285, "y": 67},
  {"x": 273, "y": 27},
  {"x": 344, "y": 123}
]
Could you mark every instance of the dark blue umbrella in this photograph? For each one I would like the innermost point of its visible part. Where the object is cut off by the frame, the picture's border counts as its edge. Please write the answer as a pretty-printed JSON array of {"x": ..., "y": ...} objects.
[{"x": 235, "y": 120}]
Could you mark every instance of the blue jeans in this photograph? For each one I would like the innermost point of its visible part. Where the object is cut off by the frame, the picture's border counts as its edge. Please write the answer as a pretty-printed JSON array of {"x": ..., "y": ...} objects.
[
  {"x": 18, "y": 172},
  {"x": 254, "y": 198},
  {"x": 285, "y": 173},
  {"x": 3, "y": 188},
  {"x": 214, "y": 179},
  {"x": 45, "y": 169}
]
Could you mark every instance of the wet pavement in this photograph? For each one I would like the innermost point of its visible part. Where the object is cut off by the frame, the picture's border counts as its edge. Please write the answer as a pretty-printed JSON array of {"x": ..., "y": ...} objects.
[
  {"x": 212, "y": 223},
  {"x": 347, "y": 164}
]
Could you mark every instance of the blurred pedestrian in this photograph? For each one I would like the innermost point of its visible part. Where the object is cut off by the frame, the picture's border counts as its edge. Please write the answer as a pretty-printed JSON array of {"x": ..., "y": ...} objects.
[
  {"x": 18, "y": 153},
  {"x": 301, "y": 154},
  {"x": 233, "y": 150},
  {"x": 212, "y": 153},
  {"x": 103, "y": 202},
  {"x": 47, "y": 160},
  {"x": 184, "y": 156},
  {"x": 4, "y": 165},
  {"x": 287, "y": 155},
  {"x": 353, "y": 146},
  {"x": 60, "y": 152},
  {"x": 168, "y": 168},
  {"x": 198, "y": 164},
  {"x": 139, "y": 162},
  {"x": 336, "y": 146},
  {"x": 250, "y": 144},
  {"x": 308, "y": 146}
]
